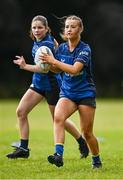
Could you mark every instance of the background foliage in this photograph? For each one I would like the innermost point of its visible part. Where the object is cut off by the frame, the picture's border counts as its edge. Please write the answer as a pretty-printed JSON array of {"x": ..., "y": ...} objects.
[{"x": 103, "y": 31}]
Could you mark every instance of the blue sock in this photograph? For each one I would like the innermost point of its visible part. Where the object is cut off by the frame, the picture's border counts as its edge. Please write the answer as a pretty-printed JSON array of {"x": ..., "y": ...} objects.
[
  {"x": 59, "y": 148},
  {"x": 80, "y": 140},
  {"x": 96, "y": 159},
  {"x": 24, "y": 143}
]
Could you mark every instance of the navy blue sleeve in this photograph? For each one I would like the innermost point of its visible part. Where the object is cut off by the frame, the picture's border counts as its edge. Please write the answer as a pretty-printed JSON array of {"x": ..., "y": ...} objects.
[{"x": 84, "y": 56}]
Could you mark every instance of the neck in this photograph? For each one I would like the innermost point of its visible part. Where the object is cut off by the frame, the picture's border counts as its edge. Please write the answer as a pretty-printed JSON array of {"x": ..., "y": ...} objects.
[{"x": 73, "y": 43}]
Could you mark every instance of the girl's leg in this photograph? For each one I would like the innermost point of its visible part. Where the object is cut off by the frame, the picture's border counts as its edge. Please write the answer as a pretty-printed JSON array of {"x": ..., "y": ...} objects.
[
  {"x": 73, "y": 130},
  {"x": 86, "y": 122},
  {"x": 69, "y": 125},
  {"x": 60, "y": 116},
  {"x": 27, "y": 103},
  {"x": 64, "y": 109}
]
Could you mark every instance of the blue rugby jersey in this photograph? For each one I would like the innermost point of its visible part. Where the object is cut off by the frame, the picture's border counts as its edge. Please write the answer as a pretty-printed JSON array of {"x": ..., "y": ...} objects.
[
  {"x": 77, "y": 87},
  {"x": 42, "y": 81}
]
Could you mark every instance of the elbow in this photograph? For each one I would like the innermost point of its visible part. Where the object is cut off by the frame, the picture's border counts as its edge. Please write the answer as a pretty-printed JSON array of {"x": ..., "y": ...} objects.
[{"x": 74, "y": 72}]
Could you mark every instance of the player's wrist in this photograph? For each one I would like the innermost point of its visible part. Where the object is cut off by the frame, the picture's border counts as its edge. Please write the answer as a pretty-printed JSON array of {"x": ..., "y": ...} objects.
[
  {"x": 54, "y": 62},
  {"x": 23, "y": 66}
]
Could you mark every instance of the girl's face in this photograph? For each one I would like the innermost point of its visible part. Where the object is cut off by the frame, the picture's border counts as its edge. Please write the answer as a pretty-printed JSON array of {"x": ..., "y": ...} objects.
[
  {"x": 72, "y": 29},
  {"x": 38, "y": 30}
]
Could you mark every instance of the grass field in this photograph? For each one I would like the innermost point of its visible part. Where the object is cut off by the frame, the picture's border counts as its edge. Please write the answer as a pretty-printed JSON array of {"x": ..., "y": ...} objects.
[{"x": 108, "y": 128}]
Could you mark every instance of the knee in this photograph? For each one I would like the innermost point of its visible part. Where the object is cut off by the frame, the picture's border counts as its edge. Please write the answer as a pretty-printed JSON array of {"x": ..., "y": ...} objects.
[
  {"x": 20, "y": 113},
  {"x": 58, "y": 120}
]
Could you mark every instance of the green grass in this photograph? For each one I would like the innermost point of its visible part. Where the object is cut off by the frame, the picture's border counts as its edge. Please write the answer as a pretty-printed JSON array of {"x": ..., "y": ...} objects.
[{"x": 108, "y": 128}]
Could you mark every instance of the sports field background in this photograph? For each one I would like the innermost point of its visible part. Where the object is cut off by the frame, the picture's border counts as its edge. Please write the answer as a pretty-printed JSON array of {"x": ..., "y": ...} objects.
[{"x": 108, "y": 128}]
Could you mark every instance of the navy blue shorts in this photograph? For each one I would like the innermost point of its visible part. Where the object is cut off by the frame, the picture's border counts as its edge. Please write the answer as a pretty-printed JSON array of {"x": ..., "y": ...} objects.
[
  {"x": 90, "y": 101},
  {"x": 51, "y": 96},
  {"x": 87, "y": 101}
]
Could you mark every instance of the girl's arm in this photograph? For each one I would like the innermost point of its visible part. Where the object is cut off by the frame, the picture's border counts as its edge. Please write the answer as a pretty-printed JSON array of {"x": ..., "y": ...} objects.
[
  {"x": 55, "y": 69},
  {"x": 20, "y": 61},
  {"x": 71, "y": 69}
]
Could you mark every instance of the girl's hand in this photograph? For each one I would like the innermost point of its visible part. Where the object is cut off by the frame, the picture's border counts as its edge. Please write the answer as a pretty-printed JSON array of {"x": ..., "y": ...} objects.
[
  {"x": 46, "y": 58},
  {"x": 20, "y": 61}
]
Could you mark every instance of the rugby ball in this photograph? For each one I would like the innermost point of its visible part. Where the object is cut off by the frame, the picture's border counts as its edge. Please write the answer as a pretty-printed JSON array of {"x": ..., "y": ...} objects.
[{"x": 43, "y": 66}]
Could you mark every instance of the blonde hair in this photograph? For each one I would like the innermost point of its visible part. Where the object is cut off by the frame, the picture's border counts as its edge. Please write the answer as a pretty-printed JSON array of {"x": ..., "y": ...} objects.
[
  {"x": 70, "y": 17},
  {"x": 43, "y": 20}
]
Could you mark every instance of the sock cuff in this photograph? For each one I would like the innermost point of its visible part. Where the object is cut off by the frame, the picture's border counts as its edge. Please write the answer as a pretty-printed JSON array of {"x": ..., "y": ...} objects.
[
  {"x": 80, "y": 140},
  {"x": 95, "y": 155},
  {"x": 59, "y": 144}
]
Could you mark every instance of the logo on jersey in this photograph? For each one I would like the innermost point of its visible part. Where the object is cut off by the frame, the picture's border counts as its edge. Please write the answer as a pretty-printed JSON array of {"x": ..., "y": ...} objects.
[
  {"x": 84, "y": 53},
  {"x": 62, "y": 60}
]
